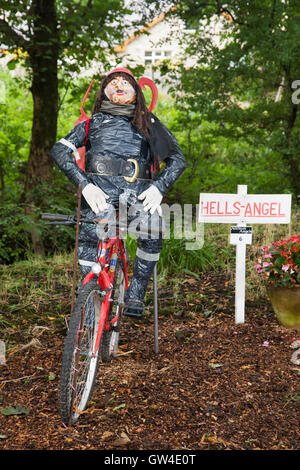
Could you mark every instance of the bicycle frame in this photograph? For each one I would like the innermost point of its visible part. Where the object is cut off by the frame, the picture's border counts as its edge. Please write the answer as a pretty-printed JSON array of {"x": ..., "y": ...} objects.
[
  {"x": 106, "y": 278},
  {"x": 104, "y": 269}
]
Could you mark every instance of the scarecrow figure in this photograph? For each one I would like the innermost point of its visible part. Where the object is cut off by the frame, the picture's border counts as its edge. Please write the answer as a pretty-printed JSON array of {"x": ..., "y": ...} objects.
[{"x": 124, "y": 142}]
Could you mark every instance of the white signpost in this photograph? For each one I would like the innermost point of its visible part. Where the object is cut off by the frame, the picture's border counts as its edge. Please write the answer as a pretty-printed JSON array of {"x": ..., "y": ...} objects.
[{"x": 243, "y": 208}]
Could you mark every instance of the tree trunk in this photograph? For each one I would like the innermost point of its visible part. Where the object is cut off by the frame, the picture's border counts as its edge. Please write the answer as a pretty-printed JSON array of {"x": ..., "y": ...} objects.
[{"x": 44, "y": 88}]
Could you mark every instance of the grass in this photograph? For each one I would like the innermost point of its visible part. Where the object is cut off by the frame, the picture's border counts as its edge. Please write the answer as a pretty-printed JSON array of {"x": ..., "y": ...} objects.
[{"x": 35, "y": 291}]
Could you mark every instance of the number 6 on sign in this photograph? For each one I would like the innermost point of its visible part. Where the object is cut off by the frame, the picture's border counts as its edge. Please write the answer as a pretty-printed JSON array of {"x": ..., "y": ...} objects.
[{"x": 240, "y": 235}]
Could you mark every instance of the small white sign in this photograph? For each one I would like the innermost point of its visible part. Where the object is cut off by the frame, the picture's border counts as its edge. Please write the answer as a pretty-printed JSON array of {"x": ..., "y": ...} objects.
[
  {"x": 240, "y": 235},
  {"x": 248, "y": 208}
]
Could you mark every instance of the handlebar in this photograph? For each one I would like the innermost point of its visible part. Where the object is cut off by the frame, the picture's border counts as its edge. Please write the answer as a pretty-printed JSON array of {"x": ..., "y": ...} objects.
[
  {"x": 60, "y": 219},
  {"x": 68, "y": 219}
]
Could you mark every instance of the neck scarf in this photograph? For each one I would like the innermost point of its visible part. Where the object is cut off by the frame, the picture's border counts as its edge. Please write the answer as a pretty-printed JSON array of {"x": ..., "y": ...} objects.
[{"x": 117, "y": 109}]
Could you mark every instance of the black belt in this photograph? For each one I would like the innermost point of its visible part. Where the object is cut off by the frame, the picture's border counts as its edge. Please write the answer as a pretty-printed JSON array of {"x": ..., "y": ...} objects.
[{"x": 128, "y": 169}]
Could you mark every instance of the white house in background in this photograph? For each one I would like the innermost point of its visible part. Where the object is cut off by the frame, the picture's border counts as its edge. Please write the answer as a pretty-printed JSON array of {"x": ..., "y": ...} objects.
[
  {"x": 157, "y": 41},
  {"x": 161, "y": 39}
]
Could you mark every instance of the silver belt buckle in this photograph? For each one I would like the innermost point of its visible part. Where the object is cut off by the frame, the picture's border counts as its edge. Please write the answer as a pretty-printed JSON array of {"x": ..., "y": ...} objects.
[{"x": 100, "y": 168}]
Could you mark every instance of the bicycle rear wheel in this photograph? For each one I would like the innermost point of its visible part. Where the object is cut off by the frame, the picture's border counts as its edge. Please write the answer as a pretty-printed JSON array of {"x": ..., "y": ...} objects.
[
  {"x": 110, "y": 338},
  {"x": 79, "y": 363}
]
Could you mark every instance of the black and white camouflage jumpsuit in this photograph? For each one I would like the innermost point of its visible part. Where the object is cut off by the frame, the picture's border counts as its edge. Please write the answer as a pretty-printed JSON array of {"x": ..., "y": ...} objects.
[{"x": 114, "y": 136}]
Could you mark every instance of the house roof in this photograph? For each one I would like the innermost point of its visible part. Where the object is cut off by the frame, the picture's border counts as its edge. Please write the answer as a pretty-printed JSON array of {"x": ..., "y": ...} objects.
[{"x": 123, "y": 46}]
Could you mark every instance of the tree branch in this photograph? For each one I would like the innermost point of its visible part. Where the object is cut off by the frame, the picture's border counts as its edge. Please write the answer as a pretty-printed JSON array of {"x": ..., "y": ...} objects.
[
  {"x": 89, "y": 6},
  {"x": 10, "y": 36},
  {"x": 227, "y": 12}
]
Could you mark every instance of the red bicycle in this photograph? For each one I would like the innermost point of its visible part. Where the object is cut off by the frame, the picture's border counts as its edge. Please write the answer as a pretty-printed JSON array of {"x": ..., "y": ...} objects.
[{"x": 94, "y": 327}]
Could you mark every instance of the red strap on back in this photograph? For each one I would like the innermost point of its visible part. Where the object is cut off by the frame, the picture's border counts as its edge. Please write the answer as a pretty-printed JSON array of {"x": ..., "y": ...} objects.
[{"x": 86, "y": 130}]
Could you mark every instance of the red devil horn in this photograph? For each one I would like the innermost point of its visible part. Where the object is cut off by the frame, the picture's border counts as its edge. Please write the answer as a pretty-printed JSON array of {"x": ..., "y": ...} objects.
[
  {"x": 83, "y": 115},
  {"x": 143, "y": 81}
]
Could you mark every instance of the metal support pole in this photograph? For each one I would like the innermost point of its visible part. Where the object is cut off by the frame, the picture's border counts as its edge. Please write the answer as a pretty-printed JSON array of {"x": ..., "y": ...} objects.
[
  {"x": 155, "y": 308},
  {"x": 79, "y": 192}
]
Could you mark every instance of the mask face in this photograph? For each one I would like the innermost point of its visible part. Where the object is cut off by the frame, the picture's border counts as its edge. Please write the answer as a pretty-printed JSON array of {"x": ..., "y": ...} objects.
[{"x": 120, "y": 91}]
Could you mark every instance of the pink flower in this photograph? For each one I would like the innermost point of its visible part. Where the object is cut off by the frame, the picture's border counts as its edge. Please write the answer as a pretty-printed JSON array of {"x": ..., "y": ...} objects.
[
  {"x": 268, "y": 255},
  {"x": 285, "y": 267},
  {"x": 265, "y": 264}
]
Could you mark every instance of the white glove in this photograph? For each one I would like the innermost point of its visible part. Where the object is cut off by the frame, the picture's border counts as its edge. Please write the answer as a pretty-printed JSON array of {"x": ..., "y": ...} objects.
[
  {"x": 152, "y": 199},
  {"x": 95, "y": 197}
]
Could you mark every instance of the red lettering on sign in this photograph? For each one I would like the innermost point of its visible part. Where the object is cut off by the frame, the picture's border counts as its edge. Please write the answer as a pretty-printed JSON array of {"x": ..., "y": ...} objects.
[
  {"x": 218, "y": 209},
  {"x": 272, "y": 208},
  {"x": 222, "y": 208},
  {"x": 212, "y": 208},
  {"x": 257, "y": 209},
  {"x": 265, "y": 212},
  {"x": 279, "y": 213},
  {"x": 237, "y": 208},
  {"x": 248, "y": 210},
  {"x": 203, "y": 207},
  {"x": 226, "y": 211}
]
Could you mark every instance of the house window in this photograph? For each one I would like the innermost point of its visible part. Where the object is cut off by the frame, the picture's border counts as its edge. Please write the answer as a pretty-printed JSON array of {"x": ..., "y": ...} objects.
[
  {"x": 148, "y": 53},
  {"x": 158, "y": 54},
  {"x": 148, "y": 62},
  {"x": 167, "y": 53}
]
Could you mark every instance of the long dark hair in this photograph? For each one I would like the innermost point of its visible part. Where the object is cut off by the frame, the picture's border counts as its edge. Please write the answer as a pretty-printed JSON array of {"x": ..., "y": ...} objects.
[{"x": 141, "y": 118}]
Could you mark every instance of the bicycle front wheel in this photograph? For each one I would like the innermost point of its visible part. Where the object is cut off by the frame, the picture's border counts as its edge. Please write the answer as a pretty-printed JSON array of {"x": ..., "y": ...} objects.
[
  {"x": 79, "y": 361},
  {"x": 110, "y": 338}
]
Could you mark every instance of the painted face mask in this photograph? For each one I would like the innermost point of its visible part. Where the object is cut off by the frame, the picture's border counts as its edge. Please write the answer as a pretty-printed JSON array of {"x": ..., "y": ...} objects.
[{"x": 120, "y": 91}]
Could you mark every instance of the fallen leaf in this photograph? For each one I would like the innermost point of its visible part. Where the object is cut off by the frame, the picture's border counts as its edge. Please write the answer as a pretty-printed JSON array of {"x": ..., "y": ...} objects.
[
  {"x": 107, "y": 435},
  {"x": 123, "y": 440},
  {"x": 18, "y": 410},
  {"x": 51, "y": 376},
  {"x": 214, "y": 365},
  {"x": 119, "y": 406}
]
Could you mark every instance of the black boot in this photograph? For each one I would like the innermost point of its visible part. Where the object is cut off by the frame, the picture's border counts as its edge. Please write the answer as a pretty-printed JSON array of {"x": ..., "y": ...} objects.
[{"x": 134, "y": 300}]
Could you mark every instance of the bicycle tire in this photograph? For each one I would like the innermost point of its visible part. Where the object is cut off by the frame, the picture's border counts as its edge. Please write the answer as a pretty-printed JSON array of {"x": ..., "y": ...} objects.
[
  {"x": 110, "y": 339},
  {"x": 74, "y": 395}
]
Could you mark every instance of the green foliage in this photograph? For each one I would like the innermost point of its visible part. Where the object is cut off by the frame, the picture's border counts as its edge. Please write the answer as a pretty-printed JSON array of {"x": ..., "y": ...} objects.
[
  {"x": 16, "y": 121},
  {"x": 179, "y": 256},
  {"x": 15, "y": 226},
  {"x": 218, "y": 163},
  {"x": 243, "y": 86}
]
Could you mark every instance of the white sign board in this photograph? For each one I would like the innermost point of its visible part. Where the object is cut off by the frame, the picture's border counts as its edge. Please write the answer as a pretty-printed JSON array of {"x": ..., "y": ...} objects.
[
  {"x": 248, "y": 208},
  {"x": 240, "y": 235},
  {"x": 243, "y": 208}
]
